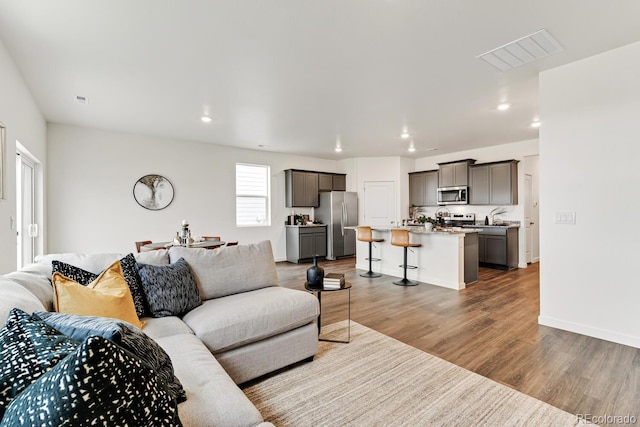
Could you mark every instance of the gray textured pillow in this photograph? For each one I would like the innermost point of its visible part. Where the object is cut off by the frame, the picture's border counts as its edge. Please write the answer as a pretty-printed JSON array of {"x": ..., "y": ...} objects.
[{"x": 169, "y": 289}]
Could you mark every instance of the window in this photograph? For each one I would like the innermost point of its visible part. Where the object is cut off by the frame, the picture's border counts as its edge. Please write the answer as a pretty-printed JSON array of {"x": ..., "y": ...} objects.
[{"x": 252, "y": 195}]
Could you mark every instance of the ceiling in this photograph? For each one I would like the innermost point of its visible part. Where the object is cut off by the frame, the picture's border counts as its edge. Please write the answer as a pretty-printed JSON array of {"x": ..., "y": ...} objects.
[{"x": 294, "y": 75}]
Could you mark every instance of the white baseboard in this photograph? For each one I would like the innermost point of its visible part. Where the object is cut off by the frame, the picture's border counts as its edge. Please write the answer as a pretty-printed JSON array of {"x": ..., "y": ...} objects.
[{"x": 590, "y": 331}]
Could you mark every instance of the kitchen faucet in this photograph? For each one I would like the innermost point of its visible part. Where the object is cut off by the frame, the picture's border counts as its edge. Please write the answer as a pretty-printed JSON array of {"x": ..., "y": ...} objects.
[{"x": 497, "y": 211}]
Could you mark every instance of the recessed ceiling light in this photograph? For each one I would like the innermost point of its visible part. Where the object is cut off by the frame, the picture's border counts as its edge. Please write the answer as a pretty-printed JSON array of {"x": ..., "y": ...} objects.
[
  {"x": 405, "y": 134},
  {"x": 206, "y": 119},
  {"x": 535, "y": 124},
  {"x": 338, "y": 149},
  {"x": 504, "y": 106},
  {"x": 412, "y": 147}
]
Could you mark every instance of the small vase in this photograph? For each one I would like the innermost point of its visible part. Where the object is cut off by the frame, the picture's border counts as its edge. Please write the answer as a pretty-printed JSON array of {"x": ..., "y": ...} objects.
[
  {"x": 428, "y": 226},
  {"x": 315, "y": 274}
]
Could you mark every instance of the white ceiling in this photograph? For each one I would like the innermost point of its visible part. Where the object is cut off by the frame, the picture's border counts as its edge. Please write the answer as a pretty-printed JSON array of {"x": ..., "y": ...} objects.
[{"x": 291, "y": 75}]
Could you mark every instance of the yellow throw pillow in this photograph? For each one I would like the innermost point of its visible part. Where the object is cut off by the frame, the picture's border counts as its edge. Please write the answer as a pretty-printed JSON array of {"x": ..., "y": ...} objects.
[{"x": 107, "y": 296}]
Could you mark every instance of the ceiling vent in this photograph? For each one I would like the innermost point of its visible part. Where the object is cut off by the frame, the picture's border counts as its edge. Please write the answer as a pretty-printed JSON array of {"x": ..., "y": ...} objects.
[{"x": 522, "y": 51}]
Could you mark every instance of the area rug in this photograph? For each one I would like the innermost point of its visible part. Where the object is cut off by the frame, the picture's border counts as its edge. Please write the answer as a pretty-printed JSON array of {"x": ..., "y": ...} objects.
[{"x": 376, "y": 380}]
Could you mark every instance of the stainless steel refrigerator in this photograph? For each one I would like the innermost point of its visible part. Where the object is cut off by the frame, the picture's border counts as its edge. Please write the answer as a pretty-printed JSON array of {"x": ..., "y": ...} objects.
[{"x": 339, "y": 209}]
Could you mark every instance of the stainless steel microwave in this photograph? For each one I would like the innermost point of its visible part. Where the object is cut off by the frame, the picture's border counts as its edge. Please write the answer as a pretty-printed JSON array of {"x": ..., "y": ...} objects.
[{"x": 453, "y": 195}]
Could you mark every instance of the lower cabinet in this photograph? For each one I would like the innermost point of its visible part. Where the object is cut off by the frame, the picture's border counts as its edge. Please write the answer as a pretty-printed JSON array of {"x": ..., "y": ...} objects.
[
  {"x": 303, "y": 243},
  {"x": 498, "y": 247}
]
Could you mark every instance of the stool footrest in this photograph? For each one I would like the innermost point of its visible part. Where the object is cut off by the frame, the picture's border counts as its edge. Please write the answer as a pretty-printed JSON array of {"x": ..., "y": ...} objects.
[
  {"x": 410, "y": 267},
  {"x": 372, "y": 259}
]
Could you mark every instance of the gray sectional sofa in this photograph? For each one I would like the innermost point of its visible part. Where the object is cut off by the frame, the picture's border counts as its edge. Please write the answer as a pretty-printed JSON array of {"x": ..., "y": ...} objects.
[{"x": 247, "y": 325}]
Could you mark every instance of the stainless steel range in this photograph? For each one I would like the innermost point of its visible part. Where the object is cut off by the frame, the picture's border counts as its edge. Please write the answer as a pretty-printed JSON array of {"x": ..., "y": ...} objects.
[{"x": 446, "y": 219}]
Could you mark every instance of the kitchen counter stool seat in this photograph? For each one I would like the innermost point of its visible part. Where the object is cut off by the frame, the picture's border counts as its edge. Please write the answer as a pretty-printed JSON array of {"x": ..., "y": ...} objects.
[
  {"x": 365, "y": 235},
  {"x": 401, "y": 238}
]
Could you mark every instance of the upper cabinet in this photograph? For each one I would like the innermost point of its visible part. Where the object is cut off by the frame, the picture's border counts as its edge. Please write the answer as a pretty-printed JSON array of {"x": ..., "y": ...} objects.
[
  {"x": 423, "y": 188},
  {"x": 494, "y": 183},
  {"x": 454, "y": 174},
  {"x": 332, "y": 182},
  {"x": 301, "y": 188}
]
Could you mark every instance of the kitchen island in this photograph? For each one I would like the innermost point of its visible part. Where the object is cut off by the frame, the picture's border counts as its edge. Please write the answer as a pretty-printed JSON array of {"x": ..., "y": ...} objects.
[{"x": 446, "y": 258}]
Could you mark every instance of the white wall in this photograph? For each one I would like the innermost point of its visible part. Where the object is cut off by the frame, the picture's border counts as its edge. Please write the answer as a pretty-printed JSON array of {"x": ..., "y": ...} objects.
[
  {"x": 589, "y": 156},
  {"x": 521, "y": 151},
  {"x": 91, "y": 176},
  {"x": 24, "y": 123}
]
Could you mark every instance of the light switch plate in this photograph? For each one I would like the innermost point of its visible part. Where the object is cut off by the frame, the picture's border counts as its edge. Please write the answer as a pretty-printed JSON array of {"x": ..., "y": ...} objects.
[{"x": 565, "y": 218}]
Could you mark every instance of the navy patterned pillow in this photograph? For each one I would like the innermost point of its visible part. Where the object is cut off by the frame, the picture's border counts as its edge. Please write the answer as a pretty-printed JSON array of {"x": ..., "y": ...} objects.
[
  {"x": 84, "y": 277},
  {"x": 125, "y": 335},
  {"x": 170, "y": 290},
  {"x": 98, "y": 384},
  {"x": 28, "y": 348}
]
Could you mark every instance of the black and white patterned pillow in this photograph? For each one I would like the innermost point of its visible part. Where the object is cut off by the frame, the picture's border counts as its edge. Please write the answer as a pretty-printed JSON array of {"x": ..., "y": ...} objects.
[
  {"x": 170, "y": 290},
  {"x": 84, "y": 277},
  {"x": 98, "y": 384},
  {"x": 125, "y": 335},
  {"x": 28, "y": 348}
]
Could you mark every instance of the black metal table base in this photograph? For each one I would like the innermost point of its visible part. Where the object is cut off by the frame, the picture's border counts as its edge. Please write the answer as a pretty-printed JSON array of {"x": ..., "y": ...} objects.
[{"x": 318, "y": 292}]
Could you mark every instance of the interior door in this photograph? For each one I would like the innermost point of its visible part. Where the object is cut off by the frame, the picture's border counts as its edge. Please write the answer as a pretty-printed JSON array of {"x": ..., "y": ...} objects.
[
  {"x": 26, "y": 226},
  {"x": 379, "y": 203},
  {"x": 528, "y": 222}
]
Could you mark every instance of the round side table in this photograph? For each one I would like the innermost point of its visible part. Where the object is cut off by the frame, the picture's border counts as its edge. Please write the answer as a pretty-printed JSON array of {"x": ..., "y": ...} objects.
[{"x": 318, "y": 291}]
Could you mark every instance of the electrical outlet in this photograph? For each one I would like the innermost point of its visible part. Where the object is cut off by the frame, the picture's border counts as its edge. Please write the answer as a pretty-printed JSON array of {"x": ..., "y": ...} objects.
[{"x": 565, "y": 218}]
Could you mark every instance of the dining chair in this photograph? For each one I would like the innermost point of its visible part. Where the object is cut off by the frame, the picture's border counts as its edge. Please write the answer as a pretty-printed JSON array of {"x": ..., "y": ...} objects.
[
  {"x": 141, "y": 244},
  {"x": 232, "y": 244},
  {"x": 210, "y": 237}
]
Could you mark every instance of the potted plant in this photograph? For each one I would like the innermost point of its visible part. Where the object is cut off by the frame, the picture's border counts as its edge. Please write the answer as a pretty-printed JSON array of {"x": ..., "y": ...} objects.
[{"x": 428, "y": 222}]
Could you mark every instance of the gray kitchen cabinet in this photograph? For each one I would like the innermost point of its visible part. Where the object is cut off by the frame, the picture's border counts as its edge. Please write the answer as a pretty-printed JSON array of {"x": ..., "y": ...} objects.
[
  {"x": 339, "y": 182},
  {"x": 494, "y": 183},
  {"x": 303, "y": 243},
  {"x": 325, "y": 182},
  {"x": 454, "y": 174},
  {"x": 301, "y": 188},
  {"x": 498, "y": 247},
  {"x": 423, "y": 188},
  {"x": 332, "y": 182}
]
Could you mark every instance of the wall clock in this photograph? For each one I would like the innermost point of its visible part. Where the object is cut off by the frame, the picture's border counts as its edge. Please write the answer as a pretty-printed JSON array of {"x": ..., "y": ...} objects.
[{"x": 153, "y": 192}]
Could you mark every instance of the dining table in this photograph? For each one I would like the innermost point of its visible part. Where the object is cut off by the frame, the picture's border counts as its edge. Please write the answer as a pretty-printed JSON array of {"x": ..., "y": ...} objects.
[{"x": 205, "y": 244}]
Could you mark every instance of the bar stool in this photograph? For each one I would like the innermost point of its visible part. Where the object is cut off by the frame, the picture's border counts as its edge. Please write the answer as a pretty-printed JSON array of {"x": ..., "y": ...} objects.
[
  {"x": 364, "y": 235},
  {"x": 401, "y": 238}
]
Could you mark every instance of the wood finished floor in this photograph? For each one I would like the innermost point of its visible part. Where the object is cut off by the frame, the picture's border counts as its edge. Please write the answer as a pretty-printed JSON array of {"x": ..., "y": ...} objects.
[{"x": 491, "y": 328}]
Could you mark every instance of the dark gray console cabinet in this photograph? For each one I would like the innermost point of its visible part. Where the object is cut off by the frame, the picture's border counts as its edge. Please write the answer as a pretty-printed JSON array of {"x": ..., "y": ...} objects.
[
  {"x": 303, "y": 243},
  {"x": 494, "y": 183},
  {"x": 301, "y": 189},
  {"x": 498, "y": 247},
  {"x": 423, "y": 188}
]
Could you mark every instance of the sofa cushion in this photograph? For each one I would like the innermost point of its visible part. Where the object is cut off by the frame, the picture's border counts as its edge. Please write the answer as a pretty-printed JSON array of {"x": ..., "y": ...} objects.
[
  {"x": 229, "y": 270},
  {"x": 14, "y": 295},
  {"x": 98, "y": 384},
  {"x": 213, "y": 399},
  {"x": 36, "y": 278},
  {"x": 235, "y": 320},
  {"x": 125, "y": 335},
  {"x": 169, "y": 289},
  {"x": 158, "y": 327},
  {"x": 107, "y": 296},
  {"x": 156, "y": 257},
  {"x": 28, "y": 348},
  {"x": 90, "y": 262},
  {"x": 84, "y": 277}
]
